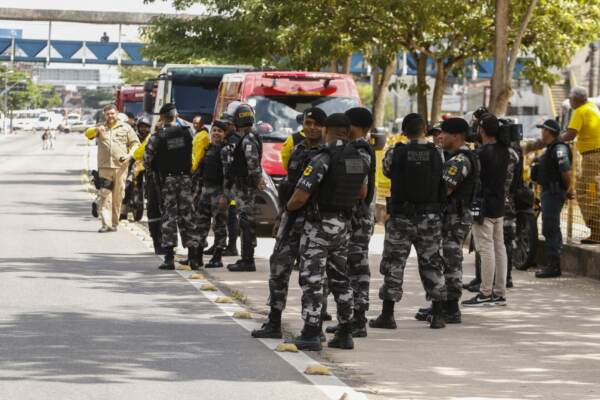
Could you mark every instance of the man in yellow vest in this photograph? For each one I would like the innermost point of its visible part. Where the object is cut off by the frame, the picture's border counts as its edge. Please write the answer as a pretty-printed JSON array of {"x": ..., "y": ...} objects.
[{"x": 585, "y": 126}]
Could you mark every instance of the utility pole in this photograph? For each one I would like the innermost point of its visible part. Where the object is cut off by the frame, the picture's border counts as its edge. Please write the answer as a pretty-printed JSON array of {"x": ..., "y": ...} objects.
[{"x": 592, "y": 80}]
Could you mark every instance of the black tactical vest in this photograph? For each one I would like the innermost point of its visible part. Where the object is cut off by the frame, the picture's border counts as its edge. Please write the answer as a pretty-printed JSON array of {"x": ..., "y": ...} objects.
[
  {"x": 549, "y": 172},
  {"x": 417, "y": 178},
  {"x": 299, "y": 160},
  {"x": 175, "y": 150},
  {"x": 339, "y": 188},
  {"x": 465, "y": 192},
  {"x": 240, "y": 165},
  {"x": 212, "y": 167}
]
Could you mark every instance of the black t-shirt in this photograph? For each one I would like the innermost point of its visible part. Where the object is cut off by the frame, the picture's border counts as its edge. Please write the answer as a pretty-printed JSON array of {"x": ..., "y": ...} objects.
[{"x": 494, "y": 159}]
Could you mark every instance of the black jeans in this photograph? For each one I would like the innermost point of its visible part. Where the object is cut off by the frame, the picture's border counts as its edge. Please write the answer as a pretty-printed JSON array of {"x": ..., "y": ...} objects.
[{"x": 552, "y": 204}]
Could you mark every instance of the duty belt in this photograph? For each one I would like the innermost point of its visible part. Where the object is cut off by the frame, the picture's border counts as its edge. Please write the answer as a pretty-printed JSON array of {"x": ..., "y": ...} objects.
[{"x": 165, "y": 174}]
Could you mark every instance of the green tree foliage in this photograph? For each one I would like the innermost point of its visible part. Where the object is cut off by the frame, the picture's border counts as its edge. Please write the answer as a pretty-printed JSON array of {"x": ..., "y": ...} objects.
[
  {"x": 26, "y": 94},
  {"x": 137, "y": 75}
]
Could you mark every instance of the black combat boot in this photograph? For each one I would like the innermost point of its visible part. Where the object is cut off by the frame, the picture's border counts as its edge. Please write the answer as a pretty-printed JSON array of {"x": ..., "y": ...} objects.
[
  {"x": 359, "y": 324},
  {"x": 386, "y": 319},
  {"x": 342, "y": 338},
  {"x": 437, "y": 316},
  {"x": 215, "y": 261},
  {"x": 270, "y": 329},
  {"x": 195, "y": 257},
  {"x": 309, "y": 339},
  {"x": 169, "y": 262},
  {"x": 549, "y": 272},
  {"x": 332, "y": 328},
  {"x": 246, "y": 264},
  {"x": 423, "y": 314},
  {"x": 452, "y": 312},
  {"x": 231, "y": 249}
]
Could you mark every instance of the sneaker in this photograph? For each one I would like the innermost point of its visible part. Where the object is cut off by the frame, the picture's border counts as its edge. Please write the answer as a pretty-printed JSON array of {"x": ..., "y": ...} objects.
[
  {"x": 499, "y": 301},
  {"x": 479, "y": 301},
  {"x": 548, "y": 272},
  {"x": 104, "y": 229}
]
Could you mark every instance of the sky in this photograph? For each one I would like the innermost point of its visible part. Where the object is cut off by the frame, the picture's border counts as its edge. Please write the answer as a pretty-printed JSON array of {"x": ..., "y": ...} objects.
[{"x": 70, "y": 31}]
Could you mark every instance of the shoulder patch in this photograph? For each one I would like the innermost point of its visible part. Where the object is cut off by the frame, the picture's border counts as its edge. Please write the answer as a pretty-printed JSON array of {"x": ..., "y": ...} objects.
[
  {"x": 453, "y": 170},
  {"x": 308, "y": 170}
]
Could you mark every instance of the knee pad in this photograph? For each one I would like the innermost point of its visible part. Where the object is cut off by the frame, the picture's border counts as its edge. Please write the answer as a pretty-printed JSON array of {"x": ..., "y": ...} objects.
[{"x": 104, "y": 183}]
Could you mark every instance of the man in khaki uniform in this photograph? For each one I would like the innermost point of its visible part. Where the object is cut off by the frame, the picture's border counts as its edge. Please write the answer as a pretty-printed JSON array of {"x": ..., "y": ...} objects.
[
  {"x": 585, "y": 126},
  {"x": 116, "y": 143}
]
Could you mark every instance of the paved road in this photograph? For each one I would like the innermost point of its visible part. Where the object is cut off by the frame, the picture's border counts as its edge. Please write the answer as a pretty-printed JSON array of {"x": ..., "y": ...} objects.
[{"x": 88, "y": 316}]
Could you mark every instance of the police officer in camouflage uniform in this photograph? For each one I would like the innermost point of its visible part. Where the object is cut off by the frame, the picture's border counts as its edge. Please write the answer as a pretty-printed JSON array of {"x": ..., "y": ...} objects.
[
  {"x": 461, "y": 174},
  {"x": 514, "y": 176},
  {"x": 287, "y": 244},
  {"x": 244, "y": 179},
  {"x": 362, "y": 225},
  {"x": 171, "y": 149},
  {"x": 212, "y": 205},
  {"x": 333, "y": 182},
  {"x": 418, "y": 195}
]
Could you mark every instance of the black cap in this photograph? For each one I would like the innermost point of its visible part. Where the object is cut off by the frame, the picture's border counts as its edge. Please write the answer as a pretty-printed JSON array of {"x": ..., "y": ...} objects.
[
  {"x": 455, "y": 126},
  {"x": 409, "y": 118},
  {"x": 243, "y": 117},
  {"x": 360, "y": 116},
  {"x": 337, "y": 120},
  {"x": 168, "y": 108},
  {"x": 317, "y": 114},
  {"x": 130, "y": 114},
  {"x": 220, "y": 124},
  {"x": 551, "y": 125}
]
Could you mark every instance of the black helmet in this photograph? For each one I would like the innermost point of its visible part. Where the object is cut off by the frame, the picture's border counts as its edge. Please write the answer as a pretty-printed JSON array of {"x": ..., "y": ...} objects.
[{"x": 243, "y": 117}]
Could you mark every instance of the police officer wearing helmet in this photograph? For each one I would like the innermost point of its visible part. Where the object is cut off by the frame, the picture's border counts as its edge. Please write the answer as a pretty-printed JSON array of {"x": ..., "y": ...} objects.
[
  {"x": 291, "y": 226},
  {"x": 171, "y": 147},
  {"x": 461, "y": 174},
  {"x": 331, "y": 185},
  {"x": 244, "y": 173},
  {"x": 552, "y": 171},
  {"x": 361, "y": 224},
  {"x": 418, "y": 194},
  {"x": 212, "y": 205}
]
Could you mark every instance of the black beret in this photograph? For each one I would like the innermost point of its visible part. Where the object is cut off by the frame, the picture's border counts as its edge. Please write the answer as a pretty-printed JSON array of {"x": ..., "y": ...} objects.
[
  {"x": 167, "y": 108},
  {"x": 317, "y": 114},
  {"x": 551, "y": 125},
  {"x": 360, "y": 116},
  {"x": 409, "y": 118},
  {"x": 337, "y": 120},
  {"x": 220, "y": 124},
  {"x": 455, "y": 126}
]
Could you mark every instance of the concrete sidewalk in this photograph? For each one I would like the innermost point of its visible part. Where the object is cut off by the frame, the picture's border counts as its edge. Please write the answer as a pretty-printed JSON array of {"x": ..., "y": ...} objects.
[{"x": 544, "y": 344}]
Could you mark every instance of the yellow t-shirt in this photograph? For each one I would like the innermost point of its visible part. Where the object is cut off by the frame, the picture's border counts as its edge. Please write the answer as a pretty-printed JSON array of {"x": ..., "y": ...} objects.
[
  {"x": 199, "y": 145},
  {"x": 586, "y": 121},
  {"x": 288, "y": 149}
]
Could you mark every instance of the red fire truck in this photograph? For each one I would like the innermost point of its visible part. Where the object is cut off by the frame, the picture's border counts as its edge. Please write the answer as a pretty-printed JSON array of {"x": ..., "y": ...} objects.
[{"x": 130, "y": 99}]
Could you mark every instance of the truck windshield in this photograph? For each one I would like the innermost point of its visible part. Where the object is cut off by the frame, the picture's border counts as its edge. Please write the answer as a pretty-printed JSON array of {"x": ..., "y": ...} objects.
[
  {"x": 134, "y": 107},
  {"x": 194, "y": 99},
  {"x": 280, "y": 112}
]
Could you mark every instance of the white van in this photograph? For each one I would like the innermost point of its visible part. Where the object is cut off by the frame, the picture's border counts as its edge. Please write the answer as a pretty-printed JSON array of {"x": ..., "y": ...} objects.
[{"x": 48, "y": 120}]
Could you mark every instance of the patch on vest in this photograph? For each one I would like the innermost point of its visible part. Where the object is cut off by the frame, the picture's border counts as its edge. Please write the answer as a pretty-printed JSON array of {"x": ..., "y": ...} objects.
[
  {"x": 175, "y": 143},
  {"x": 452, "y": 170},
  {"x": 354, "y": 166},
  {"x": 308, "y": 170},
  {"x": 418, "y": 155}
]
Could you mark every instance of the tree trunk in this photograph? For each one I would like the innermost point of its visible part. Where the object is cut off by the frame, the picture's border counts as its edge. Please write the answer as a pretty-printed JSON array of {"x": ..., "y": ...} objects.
[
  {"x": 334, "y": 64},
  {"x": 500, "y": 56},
  {"x": 380, "y": 96},
  {"x": 347, "y": 64},
  {"x": 505, "y": 63},
  {"x": 438, "y": 91},
  {"x": 422, "y": 88}
]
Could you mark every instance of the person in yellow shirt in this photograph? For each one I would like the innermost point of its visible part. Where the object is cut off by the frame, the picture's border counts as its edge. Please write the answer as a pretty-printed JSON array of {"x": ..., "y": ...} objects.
[
  {"x": 199, "y": 145},
  {"x": 585, "y": 127},
  {"x": 117, "y": 141}
]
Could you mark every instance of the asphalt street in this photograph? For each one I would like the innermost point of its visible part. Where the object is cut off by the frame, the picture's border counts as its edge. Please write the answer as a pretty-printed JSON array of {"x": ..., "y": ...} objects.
[{"x": 89, "y": 316}]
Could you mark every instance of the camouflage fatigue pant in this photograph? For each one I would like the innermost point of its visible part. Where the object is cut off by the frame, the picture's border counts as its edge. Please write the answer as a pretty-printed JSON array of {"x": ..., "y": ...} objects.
[
  {"x": 425, "y": 233},
  {"x": 285, "y": 254},
  {"x": 323, "y": 248},
  {"x": 510, "y": 235},
  {"x": 245, "y": 204},
  {"x": 208, "y": 210},
  {"x": 362, "y": 224},
  {"x": 454, "y": 231},
  {"x": 177, "y": 212}
]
